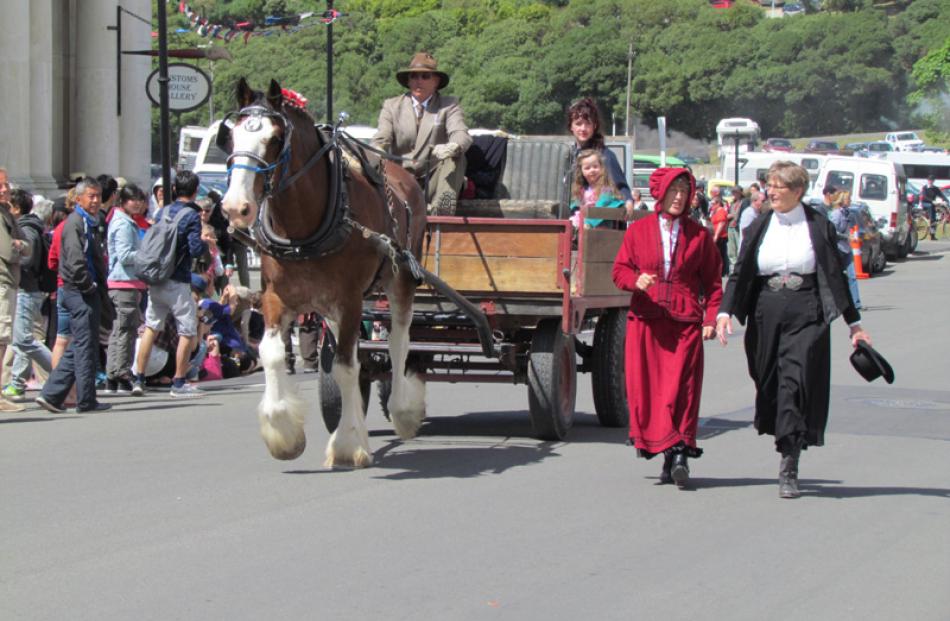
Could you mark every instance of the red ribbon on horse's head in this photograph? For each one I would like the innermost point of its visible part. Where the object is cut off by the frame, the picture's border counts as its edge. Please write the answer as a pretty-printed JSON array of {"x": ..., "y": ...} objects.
[{"x": 293, "y": 98}]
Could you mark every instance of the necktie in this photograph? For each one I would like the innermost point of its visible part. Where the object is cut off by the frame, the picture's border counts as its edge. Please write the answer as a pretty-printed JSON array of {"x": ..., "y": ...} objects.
[{"x": 419, "y": 111}]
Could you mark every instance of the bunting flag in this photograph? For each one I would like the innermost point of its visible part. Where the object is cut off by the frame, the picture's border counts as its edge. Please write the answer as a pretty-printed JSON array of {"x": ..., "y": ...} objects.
[{"x": 273, "y": 24}]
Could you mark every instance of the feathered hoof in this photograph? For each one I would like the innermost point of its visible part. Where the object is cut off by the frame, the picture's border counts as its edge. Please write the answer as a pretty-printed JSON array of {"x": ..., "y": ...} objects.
[
  {"x": 358, "y": 459},
  {"x": 406, "y": 424},
  {"x": 284, "y": 438},
  {"x": 407, "y": 406}
]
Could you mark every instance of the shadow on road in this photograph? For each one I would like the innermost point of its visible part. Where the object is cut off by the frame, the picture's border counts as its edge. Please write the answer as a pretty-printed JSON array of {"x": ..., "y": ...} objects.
[
  {"x": 462, "y": 460},
  {"x": 31, "y": 419},
  {"x": 830, "y": 489}
]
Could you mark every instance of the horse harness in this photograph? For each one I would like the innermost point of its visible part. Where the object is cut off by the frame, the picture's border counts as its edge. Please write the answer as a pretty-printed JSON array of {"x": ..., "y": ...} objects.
[{"x": 337, "y": 224}]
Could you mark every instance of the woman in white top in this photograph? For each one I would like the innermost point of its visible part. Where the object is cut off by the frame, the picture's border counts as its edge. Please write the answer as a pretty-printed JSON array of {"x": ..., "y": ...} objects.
[{"x": 790, "y": 285}]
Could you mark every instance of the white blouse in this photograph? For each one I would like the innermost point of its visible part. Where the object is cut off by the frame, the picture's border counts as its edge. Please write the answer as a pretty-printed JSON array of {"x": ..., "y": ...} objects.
[
  {"x": 669, "y": 234},
  {"x": 786, "y": 247}
]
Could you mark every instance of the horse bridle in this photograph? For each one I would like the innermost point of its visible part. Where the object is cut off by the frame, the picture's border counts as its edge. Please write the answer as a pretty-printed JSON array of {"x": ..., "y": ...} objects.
[
  {"x": 252, "y": 123},
  {"x": 335, "y": 227}
]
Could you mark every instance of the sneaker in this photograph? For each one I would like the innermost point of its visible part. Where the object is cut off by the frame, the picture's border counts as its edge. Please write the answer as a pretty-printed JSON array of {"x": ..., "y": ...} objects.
[
  {"x": 49, "y": 407},
  {"x": 12, "y": 392},
  {"x": 186, "y": 391},
  {"x": 98, "y": 407},
  {"x": 111, "y": 387},
  {"x": 9, "y": 406},
  {"x": 137, "y": 389},
  {"x": 123, "y": 387}
]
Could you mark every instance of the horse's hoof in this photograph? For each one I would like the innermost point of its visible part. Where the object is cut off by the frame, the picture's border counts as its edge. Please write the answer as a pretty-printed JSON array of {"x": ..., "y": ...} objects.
[
  {"x": 360, "y": 459},
  {"x": 286, "y": 441}
]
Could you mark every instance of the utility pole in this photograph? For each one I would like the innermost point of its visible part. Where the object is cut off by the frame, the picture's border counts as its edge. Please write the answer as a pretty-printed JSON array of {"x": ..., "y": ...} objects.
[
  {"x": 329, "y": 15},
  {"x": 626, "y": 129},
  {"x": 163, "y": 100}
]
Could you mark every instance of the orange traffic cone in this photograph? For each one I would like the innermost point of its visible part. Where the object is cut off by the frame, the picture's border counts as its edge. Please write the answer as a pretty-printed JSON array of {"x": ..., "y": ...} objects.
[{"x": 856, "y": 253}]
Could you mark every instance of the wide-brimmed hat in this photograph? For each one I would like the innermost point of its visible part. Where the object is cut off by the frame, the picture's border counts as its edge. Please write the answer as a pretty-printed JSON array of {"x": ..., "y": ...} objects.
[
  {"x": 422, "y": 62},
  {"x": 870, "y": 364}
]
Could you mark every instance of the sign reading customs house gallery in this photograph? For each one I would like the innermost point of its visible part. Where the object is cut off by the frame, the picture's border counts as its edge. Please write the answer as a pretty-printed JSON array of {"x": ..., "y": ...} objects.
[{"x": 188, "y": 87}]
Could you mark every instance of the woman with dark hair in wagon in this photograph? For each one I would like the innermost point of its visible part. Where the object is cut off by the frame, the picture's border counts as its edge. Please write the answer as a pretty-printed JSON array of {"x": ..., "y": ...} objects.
[
  {"x": 583, "y": 121},
  {"x": 787, "y": 287},
  {"x": 669, "y": 263}
]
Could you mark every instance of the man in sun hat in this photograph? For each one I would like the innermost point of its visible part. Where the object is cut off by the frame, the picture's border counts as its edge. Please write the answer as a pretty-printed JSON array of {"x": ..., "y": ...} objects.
[{"x": 429, "y": 128}]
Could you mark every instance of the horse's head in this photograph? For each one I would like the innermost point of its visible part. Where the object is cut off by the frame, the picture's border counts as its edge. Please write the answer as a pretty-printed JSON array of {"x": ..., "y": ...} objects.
[{"x": 259, "y": 142}]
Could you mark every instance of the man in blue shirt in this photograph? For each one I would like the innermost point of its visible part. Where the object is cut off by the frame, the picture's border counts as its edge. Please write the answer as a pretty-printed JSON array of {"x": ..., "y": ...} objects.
[{"x": 173, "y": 297}]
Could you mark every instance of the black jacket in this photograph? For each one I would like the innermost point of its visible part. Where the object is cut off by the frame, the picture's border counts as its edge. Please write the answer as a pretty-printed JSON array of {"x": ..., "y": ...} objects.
[
  {"x": 742, "y": 289},
  {"x": 32, "y": 229},
  {"x": 73, "y": 267}
]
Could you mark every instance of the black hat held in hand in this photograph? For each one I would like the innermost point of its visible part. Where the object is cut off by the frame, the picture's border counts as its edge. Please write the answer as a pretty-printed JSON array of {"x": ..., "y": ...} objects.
[{"x": 870, "y": 364}]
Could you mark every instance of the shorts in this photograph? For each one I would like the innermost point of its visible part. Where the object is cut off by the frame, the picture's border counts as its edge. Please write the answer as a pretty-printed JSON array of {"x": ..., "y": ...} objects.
[
  {"x": 172, "y": 298},
  {"x": 62, "y": 316},
  {"x": 7, "y": 312}
]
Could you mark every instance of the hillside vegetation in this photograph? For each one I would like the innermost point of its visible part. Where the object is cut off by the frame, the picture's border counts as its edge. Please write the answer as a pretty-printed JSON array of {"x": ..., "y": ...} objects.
[{"x": 517, "y": 64}]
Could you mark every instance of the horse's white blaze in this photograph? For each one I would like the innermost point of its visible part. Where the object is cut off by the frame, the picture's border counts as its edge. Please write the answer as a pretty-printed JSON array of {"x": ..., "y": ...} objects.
[
  {"x": 240, "y": 194},
  {"x": 281, "y": 411},
  {"x": 406, "y": 405},
  {"x": 349, "y": 444}
]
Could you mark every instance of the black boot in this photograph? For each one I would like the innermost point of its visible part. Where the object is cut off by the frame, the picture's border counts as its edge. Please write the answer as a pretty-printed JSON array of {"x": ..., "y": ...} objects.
[
  {"x": 680, "y": 470},
  {"x": 665, "y": 477},
  {"x": 788, "y": 476}
]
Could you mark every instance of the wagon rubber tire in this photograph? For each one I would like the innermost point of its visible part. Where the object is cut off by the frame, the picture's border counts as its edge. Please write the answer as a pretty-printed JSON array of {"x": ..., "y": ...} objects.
[
  {"x": 331, "y": 401},
  {"x": 607, "y": 373},
  {"x": 552, "y": 381}
]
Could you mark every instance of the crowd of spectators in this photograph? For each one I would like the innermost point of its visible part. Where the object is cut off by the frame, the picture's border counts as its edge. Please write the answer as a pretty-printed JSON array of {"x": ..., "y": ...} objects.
[{"x": 77, "y": 322}]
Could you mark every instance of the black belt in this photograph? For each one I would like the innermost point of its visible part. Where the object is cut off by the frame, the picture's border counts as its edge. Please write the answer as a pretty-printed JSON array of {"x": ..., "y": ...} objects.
[{"x": 792, "y": 281}]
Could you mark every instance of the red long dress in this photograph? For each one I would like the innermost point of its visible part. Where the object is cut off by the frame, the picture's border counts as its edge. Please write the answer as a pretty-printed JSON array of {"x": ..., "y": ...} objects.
[{"x": 664, "y": 347}]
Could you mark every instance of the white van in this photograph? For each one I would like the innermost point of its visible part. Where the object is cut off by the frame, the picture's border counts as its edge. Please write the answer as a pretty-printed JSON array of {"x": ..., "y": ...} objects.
[
  {"x": 755, "y": 164},
  {"x": 189, "y": 143},
  {"x": 881, "y": 185}
]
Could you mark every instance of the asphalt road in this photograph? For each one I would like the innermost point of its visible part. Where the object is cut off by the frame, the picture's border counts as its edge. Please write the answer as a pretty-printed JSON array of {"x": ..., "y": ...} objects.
[{"x": 161, "y": 509}]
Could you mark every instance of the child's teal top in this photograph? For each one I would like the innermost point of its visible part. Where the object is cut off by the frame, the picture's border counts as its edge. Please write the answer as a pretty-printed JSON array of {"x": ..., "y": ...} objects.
[{"x": 606, "y": 200}]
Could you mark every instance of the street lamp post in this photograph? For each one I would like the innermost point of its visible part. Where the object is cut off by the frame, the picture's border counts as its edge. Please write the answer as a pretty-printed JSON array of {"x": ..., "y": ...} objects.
[{"x": 164, "y": 125}]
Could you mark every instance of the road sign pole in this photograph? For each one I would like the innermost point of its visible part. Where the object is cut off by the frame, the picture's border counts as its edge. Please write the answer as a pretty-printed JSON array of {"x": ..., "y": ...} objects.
[{"x": 164, "y": 125}]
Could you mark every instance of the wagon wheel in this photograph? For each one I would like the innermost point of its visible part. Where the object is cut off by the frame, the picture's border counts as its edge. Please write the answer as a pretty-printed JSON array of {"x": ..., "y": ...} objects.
[
  {"x": 607, "y": 373},
  {"x": 552, "y": 381},
  {"x": 331, "y": 401}
]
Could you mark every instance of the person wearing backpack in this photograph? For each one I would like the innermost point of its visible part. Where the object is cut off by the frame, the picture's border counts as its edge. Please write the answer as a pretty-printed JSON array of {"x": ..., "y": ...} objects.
[
  {"x": 125, "y": 288},
  {"x": 34, "y": 286},
  {"x": 82, "y": 269},
  {"x": 172, "y": 295}
]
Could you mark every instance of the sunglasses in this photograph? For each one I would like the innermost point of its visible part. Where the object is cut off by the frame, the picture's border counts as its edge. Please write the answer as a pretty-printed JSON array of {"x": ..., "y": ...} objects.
[{"x": 423, "y": 75}]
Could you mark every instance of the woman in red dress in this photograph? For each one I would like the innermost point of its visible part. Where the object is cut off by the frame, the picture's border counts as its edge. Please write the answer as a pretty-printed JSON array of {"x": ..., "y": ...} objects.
[{"x": 672, "y": 267}]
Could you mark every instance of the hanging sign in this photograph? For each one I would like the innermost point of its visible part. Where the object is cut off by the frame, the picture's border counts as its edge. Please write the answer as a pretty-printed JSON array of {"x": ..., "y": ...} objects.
[{"x": 188, "y": 87}]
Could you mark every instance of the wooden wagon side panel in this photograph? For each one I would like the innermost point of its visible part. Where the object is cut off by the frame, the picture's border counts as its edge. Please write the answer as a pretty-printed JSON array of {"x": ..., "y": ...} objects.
[{"x": 496, "y": 261}]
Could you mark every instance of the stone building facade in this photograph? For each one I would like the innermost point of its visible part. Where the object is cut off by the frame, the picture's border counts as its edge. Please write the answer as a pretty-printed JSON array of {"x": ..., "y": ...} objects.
[{"x": 58, "y": 111}]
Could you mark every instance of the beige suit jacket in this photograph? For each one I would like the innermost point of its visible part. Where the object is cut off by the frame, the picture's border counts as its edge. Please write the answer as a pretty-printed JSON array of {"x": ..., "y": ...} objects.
[{"x": 441, "y": 122}]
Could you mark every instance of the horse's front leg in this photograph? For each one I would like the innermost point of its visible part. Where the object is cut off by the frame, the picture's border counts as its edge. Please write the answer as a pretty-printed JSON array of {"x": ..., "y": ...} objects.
[
  {"x": 281, "y": 410},
  {"x": 349, "y": 444},
  {"x": 407, "y": 401}
]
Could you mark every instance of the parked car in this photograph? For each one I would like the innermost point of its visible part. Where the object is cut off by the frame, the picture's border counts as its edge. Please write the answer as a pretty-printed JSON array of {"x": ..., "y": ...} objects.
[
  {"x": 793, "y": 8},
  {"x": 904, "y": 141},
  {"x": 778, "y": 144},
  {"x": 932, "y": 149},
  {"x": 822, "y": 146},
  {"x": 855, "y": 148},
  {"x": 878, "y": 148}
]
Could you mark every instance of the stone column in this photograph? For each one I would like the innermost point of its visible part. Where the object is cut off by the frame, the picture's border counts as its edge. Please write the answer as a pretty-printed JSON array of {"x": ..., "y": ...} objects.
[
  {"x": 135, "y": 144},
  {"x": 14, "y": 91},
  {"x": 94, "y": 126},
  {"x": 40, "y": 95}
]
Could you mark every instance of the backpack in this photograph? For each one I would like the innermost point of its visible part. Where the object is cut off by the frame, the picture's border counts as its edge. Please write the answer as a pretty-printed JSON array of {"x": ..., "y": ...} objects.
[
  {"x": 155, "y": 260},
  {"x": 45, "y": 277}
]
